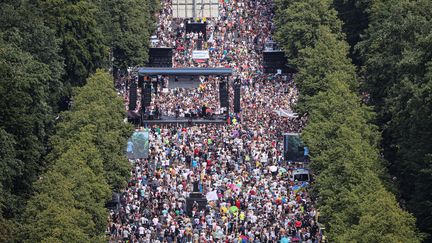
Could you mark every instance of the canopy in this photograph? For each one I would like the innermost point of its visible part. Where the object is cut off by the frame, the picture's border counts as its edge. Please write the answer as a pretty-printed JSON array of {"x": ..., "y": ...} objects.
[{"x": 151, "y": 71}]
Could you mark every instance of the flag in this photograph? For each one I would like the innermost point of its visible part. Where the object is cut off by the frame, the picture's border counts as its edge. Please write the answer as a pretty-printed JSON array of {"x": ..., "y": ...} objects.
[{"x": 212, "y": 196}]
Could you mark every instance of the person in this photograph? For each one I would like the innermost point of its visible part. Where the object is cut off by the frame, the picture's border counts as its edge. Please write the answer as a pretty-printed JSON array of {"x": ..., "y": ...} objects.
[
  {"x": 126, "y": 234},
  {"x": 241, "y": 161}
]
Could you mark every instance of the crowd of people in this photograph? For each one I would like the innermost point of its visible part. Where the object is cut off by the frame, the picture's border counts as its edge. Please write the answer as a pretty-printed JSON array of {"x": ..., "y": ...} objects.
[
  {"x": 257, "y": 199},
  {"x": 239, "y": 166},
  {"x": 194, "y": 102}
]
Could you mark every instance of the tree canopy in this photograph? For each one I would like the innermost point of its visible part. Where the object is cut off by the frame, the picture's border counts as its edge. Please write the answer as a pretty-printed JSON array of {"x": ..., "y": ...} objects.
[
  {"x": 127, "y": 27},
  {"x": 354, "y": 201},
  {"x": 396, "y": 56},
  {"x": 47, "y": 49},
  {"x": 70, "y": 198}
]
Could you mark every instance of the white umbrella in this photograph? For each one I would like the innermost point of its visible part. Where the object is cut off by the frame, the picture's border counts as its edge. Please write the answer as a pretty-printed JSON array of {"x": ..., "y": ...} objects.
[{"x": 273, "y": 168}]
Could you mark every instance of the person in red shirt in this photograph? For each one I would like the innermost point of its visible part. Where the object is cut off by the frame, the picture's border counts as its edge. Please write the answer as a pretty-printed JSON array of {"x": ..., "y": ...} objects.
[
  {"x": 298, "y": 224},
  {"x": 238, "y": 203}
]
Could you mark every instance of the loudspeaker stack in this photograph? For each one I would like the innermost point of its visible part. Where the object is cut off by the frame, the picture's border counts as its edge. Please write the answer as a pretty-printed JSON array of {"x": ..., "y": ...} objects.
[
  {"x": 133, "y": 96},
  {"x": 146, "y": 97},
  {"x": 223, "y": 94},
  {"x": 140, "y": 82},
  {"x": 236, "y": 97}
]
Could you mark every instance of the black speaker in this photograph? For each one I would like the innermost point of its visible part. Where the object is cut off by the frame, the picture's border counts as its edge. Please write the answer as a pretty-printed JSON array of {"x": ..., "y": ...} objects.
[
  {"x": 199, "y": 44},
  {"x": 146, "y": 95},
  {"x": 237, "y": 98},
  {"x": 293, "y": 148},
  {"x": 274, "y": 60},
  {"x": 155, "y": 87},
  {"x": 160, "y": 57},
  {"x": 223, "y": 94},
  {"x": 133, "y": 96},
  {"x": 140, "y": 81}
]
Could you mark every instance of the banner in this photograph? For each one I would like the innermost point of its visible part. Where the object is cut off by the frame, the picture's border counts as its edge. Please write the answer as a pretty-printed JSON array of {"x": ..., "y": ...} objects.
[
  {"x": 138, "y": 145},
  {"x": 200, "y": 54},
  {"x": 212, "y": 196}
]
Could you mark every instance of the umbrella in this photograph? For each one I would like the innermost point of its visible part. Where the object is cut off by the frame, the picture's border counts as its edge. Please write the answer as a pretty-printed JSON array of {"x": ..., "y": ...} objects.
[
  {"x": 233, "y": 209},
  {"x": 181, "y": 199},
  {"x": 233, "y": 187},
  {"x": 284, "y": 240},
  {"x": 282, "y": 170},
  {"x": 224, "y": 209}
]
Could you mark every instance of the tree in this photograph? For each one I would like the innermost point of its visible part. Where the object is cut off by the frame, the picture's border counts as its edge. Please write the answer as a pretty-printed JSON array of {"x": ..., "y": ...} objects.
[
  {"x": 24, "y": 118},
  {"x": 343, "y": 143},
  {"x": 69, "y": 203},
  {"x": 345, "y": 158},
  {"x": 51, "y": 216},
  {"x": 315, "y": 62},
  {"x": 22, "y": 25},
  {"x": 82, "y": 43},
  {"x": 397, "y": 68},
  {"x": 10, "y": 168},
  {"x": 354, "y": 16},
  {"x": 298, "y": 25},
  {"x": 128, "y": 26},
  {"x": 98, "y": 104}
]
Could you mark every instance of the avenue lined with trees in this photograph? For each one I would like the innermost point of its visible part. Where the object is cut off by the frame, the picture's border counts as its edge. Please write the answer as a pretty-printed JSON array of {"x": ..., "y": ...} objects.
[{"x": 364, "y": 80}]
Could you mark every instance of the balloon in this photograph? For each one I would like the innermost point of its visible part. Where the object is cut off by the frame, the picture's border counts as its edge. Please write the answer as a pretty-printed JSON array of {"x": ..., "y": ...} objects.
[{"x": 233, "y": 209}]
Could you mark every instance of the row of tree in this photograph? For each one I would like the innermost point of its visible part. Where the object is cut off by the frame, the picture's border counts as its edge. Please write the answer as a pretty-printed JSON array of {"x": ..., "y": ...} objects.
[
  {"x": 48, "y": 47},
  {"x": 87, "y": 160},
  {"x": 394, "y": 59},
  {"x": 351, "y": 183}
]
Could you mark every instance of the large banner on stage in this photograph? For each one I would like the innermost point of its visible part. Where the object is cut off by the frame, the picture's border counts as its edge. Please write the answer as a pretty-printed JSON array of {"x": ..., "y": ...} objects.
[
  {"x": 200, "y": 55},
  {"x": 138, "y": 145}
]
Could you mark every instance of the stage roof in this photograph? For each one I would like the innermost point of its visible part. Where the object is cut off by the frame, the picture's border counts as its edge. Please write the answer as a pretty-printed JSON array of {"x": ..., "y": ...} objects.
[{"x": 150, "y": 71}]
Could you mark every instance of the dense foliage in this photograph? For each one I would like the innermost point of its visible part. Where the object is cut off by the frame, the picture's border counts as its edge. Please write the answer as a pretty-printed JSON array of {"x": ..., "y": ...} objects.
[
  {"x": 354, "y": 16},
  {"x": 126, "y": 23},
  {"x": 397, "y": 55},
  {"x": 47, "y": 48},
  {"x": 298, "y": 24},
  {"x": 70, "y": 197},
  {"x": 354, "y": 203}
]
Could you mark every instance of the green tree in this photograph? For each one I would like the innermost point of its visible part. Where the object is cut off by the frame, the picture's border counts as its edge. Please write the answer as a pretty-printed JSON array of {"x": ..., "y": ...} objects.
[
  {"x": 396, "y": 53},
  {"x": 298, "y": 24},
  {"x": 70, "y": 197},
  {"x": 354, "y": 16},
  {"x": 10, "y": 168},
  {"x": 127, "y": 27},
  {"x": 343, "y": 143},
  {"x": 98, "y": 104},
  {"x": 21, "y": 24},
  {"x": 328, "y": 55},
  {"x": 82, "y": 44},
  {"x": 50, "y": 215},
  {"x": 24, "y": 117}
]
